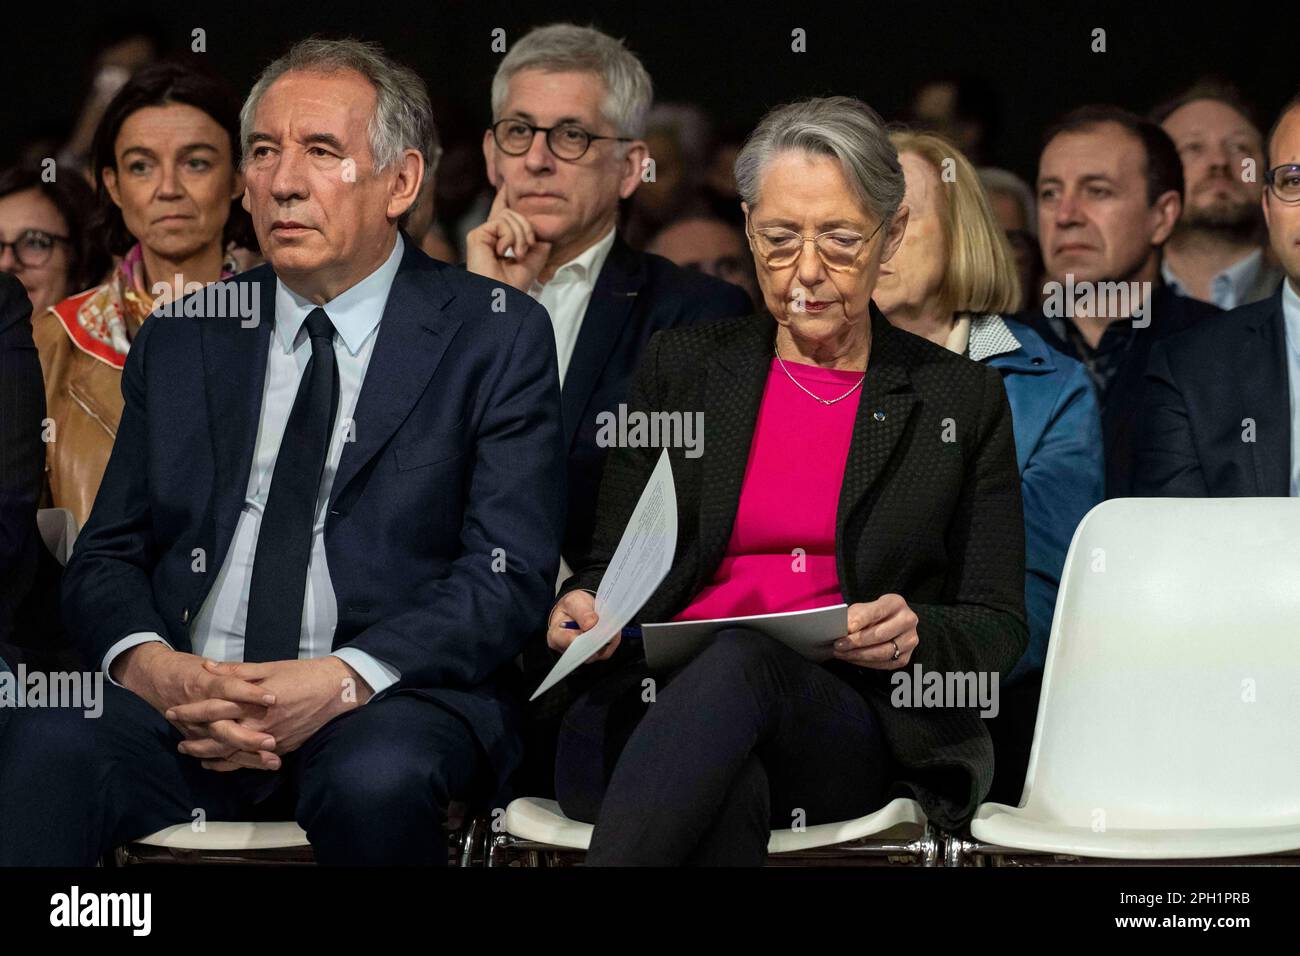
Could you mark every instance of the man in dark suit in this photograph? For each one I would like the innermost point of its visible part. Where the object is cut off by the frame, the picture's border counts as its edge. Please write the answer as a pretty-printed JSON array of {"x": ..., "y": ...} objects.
[
  {"x": 1110, "y": 187},
  {"x": 1221, "y": 398},
  {"x": 324, "y": 532},
  {"x": 29, "y": 574},
  {"x": 568, "y": 105},
  {"x": 22, "y": 457},
  {"x": 29, "y": 577}
]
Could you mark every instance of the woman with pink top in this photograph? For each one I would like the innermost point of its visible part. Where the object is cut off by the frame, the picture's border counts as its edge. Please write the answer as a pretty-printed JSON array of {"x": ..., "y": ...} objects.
[{"x": 846, "y": 461}]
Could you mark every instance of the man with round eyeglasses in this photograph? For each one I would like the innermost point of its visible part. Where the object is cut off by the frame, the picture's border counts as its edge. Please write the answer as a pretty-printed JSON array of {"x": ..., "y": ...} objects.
[
  {"x": 569, "y": 109},
  {"x": 1223, "y": 397}
]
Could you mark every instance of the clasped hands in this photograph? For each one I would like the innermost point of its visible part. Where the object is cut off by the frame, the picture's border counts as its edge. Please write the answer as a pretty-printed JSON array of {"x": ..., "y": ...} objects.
[{"x": 240, "y": 715}]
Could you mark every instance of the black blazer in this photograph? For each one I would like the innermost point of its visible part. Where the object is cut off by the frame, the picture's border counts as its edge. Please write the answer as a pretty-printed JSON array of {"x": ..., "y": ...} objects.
[
  {"x": 636, "y": 295},
  {"x": 1121, "y": 404},
  {"x": 445, "y": 516},
  {"x": 22, "y": 458},
  {"x": 1204, "y": 388},
  {"x": 937, "y": 522}
]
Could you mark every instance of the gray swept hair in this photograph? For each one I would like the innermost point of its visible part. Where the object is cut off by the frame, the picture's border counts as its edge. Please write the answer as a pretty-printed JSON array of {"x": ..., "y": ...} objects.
[
  {"x": 403, "y": 117},
  {"x": 841, "y": 127},
  {"x": 566, "y": 47}
]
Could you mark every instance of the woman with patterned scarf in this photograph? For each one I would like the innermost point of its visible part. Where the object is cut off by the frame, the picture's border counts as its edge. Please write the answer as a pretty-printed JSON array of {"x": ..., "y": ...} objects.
[{"x": 166, "y": 160}]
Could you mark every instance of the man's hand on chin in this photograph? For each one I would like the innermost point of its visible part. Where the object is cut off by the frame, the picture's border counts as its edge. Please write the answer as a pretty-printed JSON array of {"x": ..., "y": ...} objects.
[{"x": 308, "y": 694}]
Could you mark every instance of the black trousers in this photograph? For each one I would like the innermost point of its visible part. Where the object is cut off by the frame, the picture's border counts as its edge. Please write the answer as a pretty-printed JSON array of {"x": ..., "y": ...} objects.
[
  {"x": 371, "y": 786},
  {"x": 746, "y": 738}
]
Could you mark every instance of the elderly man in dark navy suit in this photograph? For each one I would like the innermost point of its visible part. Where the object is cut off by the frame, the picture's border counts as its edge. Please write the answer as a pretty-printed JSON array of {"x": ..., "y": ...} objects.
[{"x": 325, "y": 528}]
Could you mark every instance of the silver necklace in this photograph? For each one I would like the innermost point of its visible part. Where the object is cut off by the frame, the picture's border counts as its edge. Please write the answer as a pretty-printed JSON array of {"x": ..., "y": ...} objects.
[{"x": 799, "y": 385}]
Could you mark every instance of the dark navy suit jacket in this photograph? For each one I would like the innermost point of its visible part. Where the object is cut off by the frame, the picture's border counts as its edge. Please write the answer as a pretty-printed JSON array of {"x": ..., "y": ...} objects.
[
  {"x": 636, "y": 295},
  {"x": 1202, "y": 387},
  {"x": 1121, "y": 402},
  {"x": 22, "y": 458},
  {"x": 445, "y": 516}
]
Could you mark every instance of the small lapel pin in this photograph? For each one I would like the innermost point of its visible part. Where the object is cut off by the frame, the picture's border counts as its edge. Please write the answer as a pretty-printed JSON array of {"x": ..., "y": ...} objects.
[{"x": 878, "y": 415}]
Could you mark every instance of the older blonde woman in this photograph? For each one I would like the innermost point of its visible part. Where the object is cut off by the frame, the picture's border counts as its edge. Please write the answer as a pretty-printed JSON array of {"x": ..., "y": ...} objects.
[
  {"x": 953, "y": 274},
  {"x": 827, "y": 478}
]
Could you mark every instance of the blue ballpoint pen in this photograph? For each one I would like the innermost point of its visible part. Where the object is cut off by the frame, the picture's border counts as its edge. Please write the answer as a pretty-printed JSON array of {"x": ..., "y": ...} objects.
[{"x": 632, "y": 632}]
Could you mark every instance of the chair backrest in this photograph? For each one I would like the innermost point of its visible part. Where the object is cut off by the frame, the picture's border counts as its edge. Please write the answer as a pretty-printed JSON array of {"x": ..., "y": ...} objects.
[
  {"x": 58, "y": 530},
  {"x": 1171, "y": 693}
]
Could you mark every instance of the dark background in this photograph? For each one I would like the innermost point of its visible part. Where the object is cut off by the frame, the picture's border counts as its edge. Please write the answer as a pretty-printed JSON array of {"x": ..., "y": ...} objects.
[{"x": 732, "y": 58}]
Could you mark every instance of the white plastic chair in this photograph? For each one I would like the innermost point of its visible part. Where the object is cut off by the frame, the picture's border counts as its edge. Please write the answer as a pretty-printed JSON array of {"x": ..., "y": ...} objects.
[
  {"x": 278, "y": 842},
  {"x": 537, "y": 831},
  {"x": 1169, "y": 721},
  {"x": 282, "y": 842}
]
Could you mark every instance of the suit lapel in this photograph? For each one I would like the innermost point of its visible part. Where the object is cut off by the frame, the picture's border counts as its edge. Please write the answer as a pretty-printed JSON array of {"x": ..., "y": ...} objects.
[
  {"x": 612, "y": 300},
  {"x": 732, "y": 394},
  {"x": 884, "y": 411},
  {"x": 412, "y": 340},
  {"x": 234, "y": 368},
  {"x": 1265, "y": 397}
]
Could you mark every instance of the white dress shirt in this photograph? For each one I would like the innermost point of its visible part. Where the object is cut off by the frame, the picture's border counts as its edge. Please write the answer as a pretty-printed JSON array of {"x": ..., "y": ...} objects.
[
  {"x": 567, "y": 294},
  {"x": 1291, "y": 318},
  {"x": 217, "y": 631}
]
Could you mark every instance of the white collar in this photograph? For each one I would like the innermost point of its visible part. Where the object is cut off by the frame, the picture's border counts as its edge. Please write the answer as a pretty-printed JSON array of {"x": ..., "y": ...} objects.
[
  {"x": 590, "y": 262},
  {"x": 990, "y": 336},
  {"x": 354, "y": 312}
]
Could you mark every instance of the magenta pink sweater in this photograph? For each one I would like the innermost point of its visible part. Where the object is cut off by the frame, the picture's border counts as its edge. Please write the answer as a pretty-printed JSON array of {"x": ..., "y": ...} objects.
[{"x": 788, "y": 501}]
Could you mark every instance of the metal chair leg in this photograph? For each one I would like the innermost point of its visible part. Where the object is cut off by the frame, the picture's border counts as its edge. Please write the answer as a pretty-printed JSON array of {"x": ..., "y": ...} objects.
[
  {"x": 956, "y": 850},
  {"x": 930, "y": 845}
]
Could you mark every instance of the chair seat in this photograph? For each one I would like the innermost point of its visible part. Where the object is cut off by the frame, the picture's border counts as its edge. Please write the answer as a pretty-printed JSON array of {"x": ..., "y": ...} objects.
[
  {"x": 899, "y": 814},
  {"x": 542, "y": 821},
  {"x": 230, "y": 835},
  {"x": 1009, "y": 827}
]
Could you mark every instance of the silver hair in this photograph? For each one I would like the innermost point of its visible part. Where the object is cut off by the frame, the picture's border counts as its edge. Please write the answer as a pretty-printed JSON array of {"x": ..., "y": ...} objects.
[
  {"x": 403, "y": 117},
  {"x": 840, "y": 127},
  {"x": 566, "y": 47},
  {"x": 1003, "y": 181}
]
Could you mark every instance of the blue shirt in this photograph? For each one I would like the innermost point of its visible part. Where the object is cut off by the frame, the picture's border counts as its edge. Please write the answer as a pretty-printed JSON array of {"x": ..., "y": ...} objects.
[
  {"x": 1229, "y": 288},
  {"x": 1291, "y": 317}
]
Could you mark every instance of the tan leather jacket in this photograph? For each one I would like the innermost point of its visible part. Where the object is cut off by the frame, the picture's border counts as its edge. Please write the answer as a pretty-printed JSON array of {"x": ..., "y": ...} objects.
[{"x": 82, "y": 343}]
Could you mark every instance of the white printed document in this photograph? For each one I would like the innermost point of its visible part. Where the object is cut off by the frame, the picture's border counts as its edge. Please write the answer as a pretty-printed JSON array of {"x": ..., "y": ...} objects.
[
  {"x": 809, "y": 633},
  {"x": 640, "y": 563}
]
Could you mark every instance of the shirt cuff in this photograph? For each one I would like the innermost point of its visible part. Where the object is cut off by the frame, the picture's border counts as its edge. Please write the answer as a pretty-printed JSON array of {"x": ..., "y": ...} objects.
[
  {"x": 125, "y": 644},
  {"x": 373, "y": 671}
]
